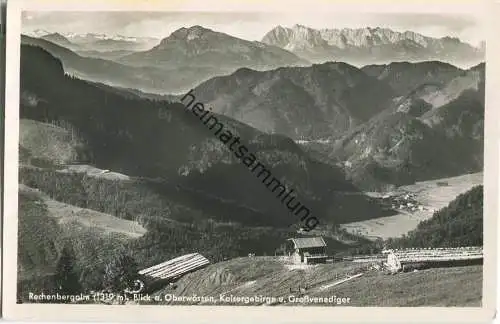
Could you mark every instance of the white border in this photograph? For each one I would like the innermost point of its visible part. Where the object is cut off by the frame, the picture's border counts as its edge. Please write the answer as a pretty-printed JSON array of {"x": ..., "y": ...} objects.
[{"x": 45, "y": 312}]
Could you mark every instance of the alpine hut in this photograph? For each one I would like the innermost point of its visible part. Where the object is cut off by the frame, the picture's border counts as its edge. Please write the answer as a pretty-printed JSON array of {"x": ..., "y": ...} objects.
[{"x": 307, "y": 250}]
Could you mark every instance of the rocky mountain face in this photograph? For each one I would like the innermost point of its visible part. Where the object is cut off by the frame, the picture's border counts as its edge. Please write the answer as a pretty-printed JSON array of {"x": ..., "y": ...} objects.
[
  {"x": 202, "y": 47},
  {"x": 300, "y": 102},
  {"x": 370, "y": 45},
  {"x": 133, "y": 136}
]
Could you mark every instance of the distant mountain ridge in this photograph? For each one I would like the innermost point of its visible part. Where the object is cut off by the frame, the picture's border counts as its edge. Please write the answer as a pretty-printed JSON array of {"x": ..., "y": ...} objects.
[
  {"x": 86, "y": 38},
  {"x": 109, "y": 72},
  {"x": 365, "y": 45},
  {"x": 58, "y": 39},
  {"x": 95, "y": 41},
  {"x": 199, "y": 46},
  {"x": 147, "y": 78},
  {"x": 179, "y": 62}
]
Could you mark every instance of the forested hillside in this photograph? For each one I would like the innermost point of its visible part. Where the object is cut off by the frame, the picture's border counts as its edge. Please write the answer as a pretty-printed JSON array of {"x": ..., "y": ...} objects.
[{"x": 459, "y": 224}]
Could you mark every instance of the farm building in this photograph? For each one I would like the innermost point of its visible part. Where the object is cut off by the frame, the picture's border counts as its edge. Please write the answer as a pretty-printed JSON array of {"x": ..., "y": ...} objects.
[
  {"x": 173, "y": 269},
  {"x": 408, "y": 259},
  {"x": 306, "y": 250}
]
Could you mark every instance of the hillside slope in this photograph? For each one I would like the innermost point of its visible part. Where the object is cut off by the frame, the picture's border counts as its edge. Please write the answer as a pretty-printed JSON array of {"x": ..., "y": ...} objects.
[
  {"x": 458, "y": 224},
  {"x": 433, "y": 132},
  {"x": 404, "y": 77},
  {"x": 46, "y": 227},
  {"x": 42, "y": 143},
  {"x": 300, "y": 102},
  {"x": 261, "y": 276}
]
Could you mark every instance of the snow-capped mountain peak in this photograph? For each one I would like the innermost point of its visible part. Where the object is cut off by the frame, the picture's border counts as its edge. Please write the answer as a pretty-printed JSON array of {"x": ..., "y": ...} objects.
[
  {"x": 72, "y": 36},
  {"x": 38, "y": 33}
]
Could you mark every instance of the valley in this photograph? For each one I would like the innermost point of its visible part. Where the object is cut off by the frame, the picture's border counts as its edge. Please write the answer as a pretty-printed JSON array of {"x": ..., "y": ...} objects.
[
  {"x": 388, "y": 154},
  {"x": 429, "y": 194}
]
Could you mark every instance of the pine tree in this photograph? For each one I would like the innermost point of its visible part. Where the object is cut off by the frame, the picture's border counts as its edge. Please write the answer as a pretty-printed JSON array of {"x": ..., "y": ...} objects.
[
  {"x": 65, "y": 277},
  {"x": 120, "y": 273}
]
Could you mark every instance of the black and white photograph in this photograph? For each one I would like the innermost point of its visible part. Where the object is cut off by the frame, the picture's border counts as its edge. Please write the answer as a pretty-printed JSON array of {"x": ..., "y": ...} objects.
[{"x": 209, "y": 157}]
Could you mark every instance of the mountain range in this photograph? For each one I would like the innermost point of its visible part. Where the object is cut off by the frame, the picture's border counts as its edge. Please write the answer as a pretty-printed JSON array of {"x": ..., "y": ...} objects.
[
  {"x": 94, "y": 41},
  {"x": 389, "y": 124},
  {"x": 202, "y": 47},
  {"x": 181, "y": 61},
  {"x": 332, "y": 106},
  {"x": 362, "y": 46}
]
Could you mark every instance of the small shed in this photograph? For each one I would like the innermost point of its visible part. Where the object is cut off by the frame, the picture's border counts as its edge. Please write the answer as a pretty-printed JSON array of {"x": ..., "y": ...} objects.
[
  {"x": 172, "y": 270},
  {"x": 307, "y": 250}
]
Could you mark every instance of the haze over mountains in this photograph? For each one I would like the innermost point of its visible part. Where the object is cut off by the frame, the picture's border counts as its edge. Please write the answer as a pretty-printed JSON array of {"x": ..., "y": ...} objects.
[{"x": 370, "y": 45}]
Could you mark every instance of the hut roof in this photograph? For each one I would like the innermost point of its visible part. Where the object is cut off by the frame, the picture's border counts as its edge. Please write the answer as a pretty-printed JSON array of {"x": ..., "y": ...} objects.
[
  {"x": 308, "y": 242},
  {"x": 176, "y": 267}
]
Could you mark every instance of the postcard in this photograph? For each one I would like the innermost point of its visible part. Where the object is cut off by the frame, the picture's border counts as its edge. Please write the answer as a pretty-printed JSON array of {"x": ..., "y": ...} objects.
[{"x": 278, "y": 161}]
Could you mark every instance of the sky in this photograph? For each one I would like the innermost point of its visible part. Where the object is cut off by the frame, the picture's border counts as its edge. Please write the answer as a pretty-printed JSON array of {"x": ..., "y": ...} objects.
[{"x": 253, "y": 25}]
